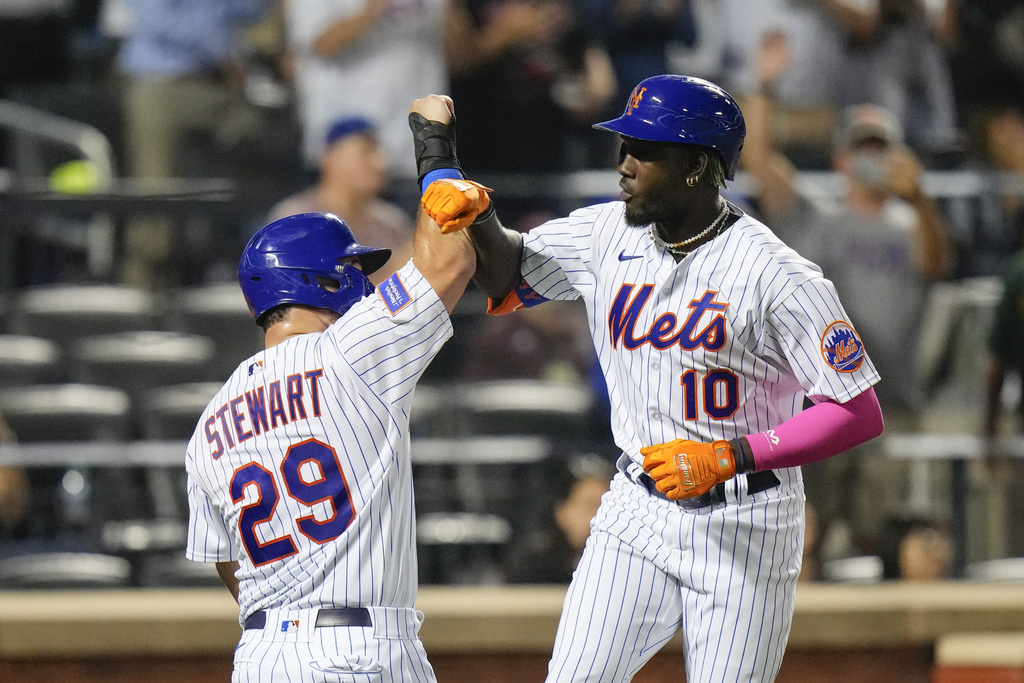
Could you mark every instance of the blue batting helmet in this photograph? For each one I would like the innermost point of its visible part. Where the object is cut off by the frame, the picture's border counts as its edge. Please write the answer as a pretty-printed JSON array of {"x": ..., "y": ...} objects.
[
  {"x": 683, "y": 109},
  {"x": 287, "y": 261}
]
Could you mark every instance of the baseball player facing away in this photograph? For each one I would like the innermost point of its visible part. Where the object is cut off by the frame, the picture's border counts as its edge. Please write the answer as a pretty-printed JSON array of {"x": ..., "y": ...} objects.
[
  {"x": 299, "y": 473},
  {"x": 710, "y": 333}
]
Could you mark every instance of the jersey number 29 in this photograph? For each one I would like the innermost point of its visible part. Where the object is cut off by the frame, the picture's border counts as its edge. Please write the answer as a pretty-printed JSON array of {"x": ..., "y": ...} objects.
[{"x": 312, "y": 475}]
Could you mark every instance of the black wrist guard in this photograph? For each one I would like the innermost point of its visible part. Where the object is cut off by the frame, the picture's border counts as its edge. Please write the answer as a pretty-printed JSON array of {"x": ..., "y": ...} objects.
[
  {"x": 742, "y": 455},
  {"x": 488, "y": 212},
  {"x": 435, "y": 144}
]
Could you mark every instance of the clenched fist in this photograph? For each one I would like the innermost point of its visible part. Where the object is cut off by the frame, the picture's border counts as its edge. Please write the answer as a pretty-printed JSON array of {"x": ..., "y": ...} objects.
[
  {"x": 455, "y": 204},
  {"x": 686, "y": 469}
]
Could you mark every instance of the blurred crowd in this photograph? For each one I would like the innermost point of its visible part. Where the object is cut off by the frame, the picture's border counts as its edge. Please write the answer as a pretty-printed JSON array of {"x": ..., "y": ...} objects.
[
  {"x": 251, "y": 89},
  {"x": 885, "y": 142}
]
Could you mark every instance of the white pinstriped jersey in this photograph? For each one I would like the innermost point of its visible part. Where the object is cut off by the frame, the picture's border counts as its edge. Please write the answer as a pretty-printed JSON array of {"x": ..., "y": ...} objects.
[
  {"x": 299, "y": 468},
  {"x": 725, "y": 343}
]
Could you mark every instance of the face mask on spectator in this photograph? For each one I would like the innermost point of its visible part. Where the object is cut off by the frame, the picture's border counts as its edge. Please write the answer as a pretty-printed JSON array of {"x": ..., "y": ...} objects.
[{"x": 869, "y": 168}]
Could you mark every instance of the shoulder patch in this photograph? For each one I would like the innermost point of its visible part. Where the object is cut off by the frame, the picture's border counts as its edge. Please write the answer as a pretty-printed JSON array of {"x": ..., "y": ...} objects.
[
  {"x": 394, "y": 294},
  {"x": 841, "y": 347}
]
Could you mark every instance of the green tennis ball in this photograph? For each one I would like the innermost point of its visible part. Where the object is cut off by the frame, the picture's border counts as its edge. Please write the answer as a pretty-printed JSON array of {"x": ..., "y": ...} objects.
[{"x": 75, "y": 177}]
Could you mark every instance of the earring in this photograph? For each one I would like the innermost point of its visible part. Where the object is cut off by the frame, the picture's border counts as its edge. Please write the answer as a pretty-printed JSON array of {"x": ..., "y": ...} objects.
[{"x": 691, "y": 181}]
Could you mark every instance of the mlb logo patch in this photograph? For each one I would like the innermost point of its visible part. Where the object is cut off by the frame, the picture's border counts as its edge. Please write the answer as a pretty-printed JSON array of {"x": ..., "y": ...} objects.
[
  {"x": 394, "y": 294},
  {"x": 841, "y": 348},
  {"x": 290, "y": 626},
  {"x": 255, "y": 367}
]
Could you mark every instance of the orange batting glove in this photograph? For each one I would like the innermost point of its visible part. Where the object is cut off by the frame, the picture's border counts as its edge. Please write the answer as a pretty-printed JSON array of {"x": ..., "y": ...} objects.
[
  {"x": 686, "y": 469},
  {"x": 455, "y": 204}
]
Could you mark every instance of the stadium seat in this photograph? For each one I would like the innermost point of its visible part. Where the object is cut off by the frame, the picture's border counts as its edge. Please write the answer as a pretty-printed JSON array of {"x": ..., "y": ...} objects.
[
  {"x": 65, "y": 313},
  {"x": 534, "y": 407},
  {"x": 461, "y": 548},
  {"x": 66, "y": 498},
  {"x": 1007, "y": 569},
  {"x": 434, "y": 413},
  {"x": 66, "y": 412},
  {"x": 859, "y": 569},
  {"x": 27, "y": 360},
  {"x": 497, "y": 428},
  {"x": 170, "y": 412},
  {"x": 219, "y": 312},
  {"x": 954, "y": 324},
  {"x": 174, "y": 570},
  {"x": 138, "y": 361},
  {"x": 482, "y": 475},
  {"x": 64, "y": 570},
  {"x": 143, "y": 535}
]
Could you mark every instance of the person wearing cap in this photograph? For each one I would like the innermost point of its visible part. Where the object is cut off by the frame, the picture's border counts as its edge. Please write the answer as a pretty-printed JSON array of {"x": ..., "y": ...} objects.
[
  {"x": 353, "y": 173},
  {"x": 878, "y": 238}
]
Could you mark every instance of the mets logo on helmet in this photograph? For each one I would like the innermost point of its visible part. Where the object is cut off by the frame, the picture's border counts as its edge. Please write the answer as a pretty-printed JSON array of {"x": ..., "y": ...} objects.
[
  {"x": 841, "y": 347},
  {"x": 634, "y": 100}
]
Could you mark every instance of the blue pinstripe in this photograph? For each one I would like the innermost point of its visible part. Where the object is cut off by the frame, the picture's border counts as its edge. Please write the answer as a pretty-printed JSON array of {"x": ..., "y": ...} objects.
[
  {"x": 725, "y": 577},
  {"x": 371, "y": 361}
]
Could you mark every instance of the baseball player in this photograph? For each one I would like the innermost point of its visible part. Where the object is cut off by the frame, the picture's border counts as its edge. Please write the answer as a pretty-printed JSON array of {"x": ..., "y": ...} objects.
[
  {"x": 299, "y": 473},
  {"x": 711, "y": 333}
]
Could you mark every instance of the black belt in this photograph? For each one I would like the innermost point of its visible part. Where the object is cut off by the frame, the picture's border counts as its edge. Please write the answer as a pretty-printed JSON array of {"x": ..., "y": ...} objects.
[
  {"x": 333, "y": 616},
  {"x": 756, "y": 482}
]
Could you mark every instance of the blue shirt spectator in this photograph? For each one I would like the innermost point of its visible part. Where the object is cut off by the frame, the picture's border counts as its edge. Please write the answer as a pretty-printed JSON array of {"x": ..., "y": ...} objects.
[
  {"x": 184, "y": 72},
  {"x": 179, "y": 37}
]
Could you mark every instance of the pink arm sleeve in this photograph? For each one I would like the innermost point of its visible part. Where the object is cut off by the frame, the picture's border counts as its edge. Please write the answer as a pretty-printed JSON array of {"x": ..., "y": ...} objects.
[{"x": 821, "y": 431}]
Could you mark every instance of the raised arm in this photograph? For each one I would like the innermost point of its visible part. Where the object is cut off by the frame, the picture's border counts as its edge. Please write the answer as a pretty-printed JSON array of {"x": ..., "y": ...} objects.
[
  {"x": 342, "y": 33},
  {"x": 454, "y": 203},
  {"x": 498, "y": 255},
  {"x": 933, "y": 249},
  {"x": 773, "y": 173},
  {"x": 446, "y": 261}
]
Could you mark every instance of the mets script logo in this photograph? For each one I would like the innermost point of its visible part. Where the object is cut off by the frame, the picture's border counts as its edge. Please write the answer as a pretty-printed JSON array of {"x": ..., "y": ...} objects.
[
  {"x": 634, "y": 100},
  {"x": 841, "y": 347},
  {"x": 703, "y": 326}
]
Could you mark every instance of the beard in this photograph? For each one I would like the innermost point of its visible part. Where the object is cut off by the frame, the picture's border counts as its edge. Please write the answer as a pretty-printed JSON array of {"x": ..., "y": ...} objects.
[{"x": 640, "y": 214}]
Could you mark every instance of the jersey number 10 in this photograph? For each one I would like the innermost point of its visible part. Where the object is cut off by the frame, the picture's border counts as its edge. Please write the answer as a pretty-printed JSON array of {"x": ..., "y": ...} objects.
[
  {"x": 323, "y": 481},
  {"x": 719, "y": 394}
]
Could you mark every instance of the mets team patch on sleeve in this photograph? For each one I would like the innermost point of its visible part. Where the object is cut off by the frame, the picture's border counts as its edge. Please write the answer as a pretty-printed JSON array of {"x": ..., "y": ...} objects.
[
  {"x": 841, "y": 347},
  {"x": 394, "y": 294}
]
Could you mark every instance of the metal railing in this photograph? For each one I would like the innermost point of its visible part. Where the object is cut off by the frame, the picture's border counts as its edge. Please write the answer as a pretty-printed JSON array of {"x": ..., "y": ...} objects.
[{"x": 31, "y": 127}]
